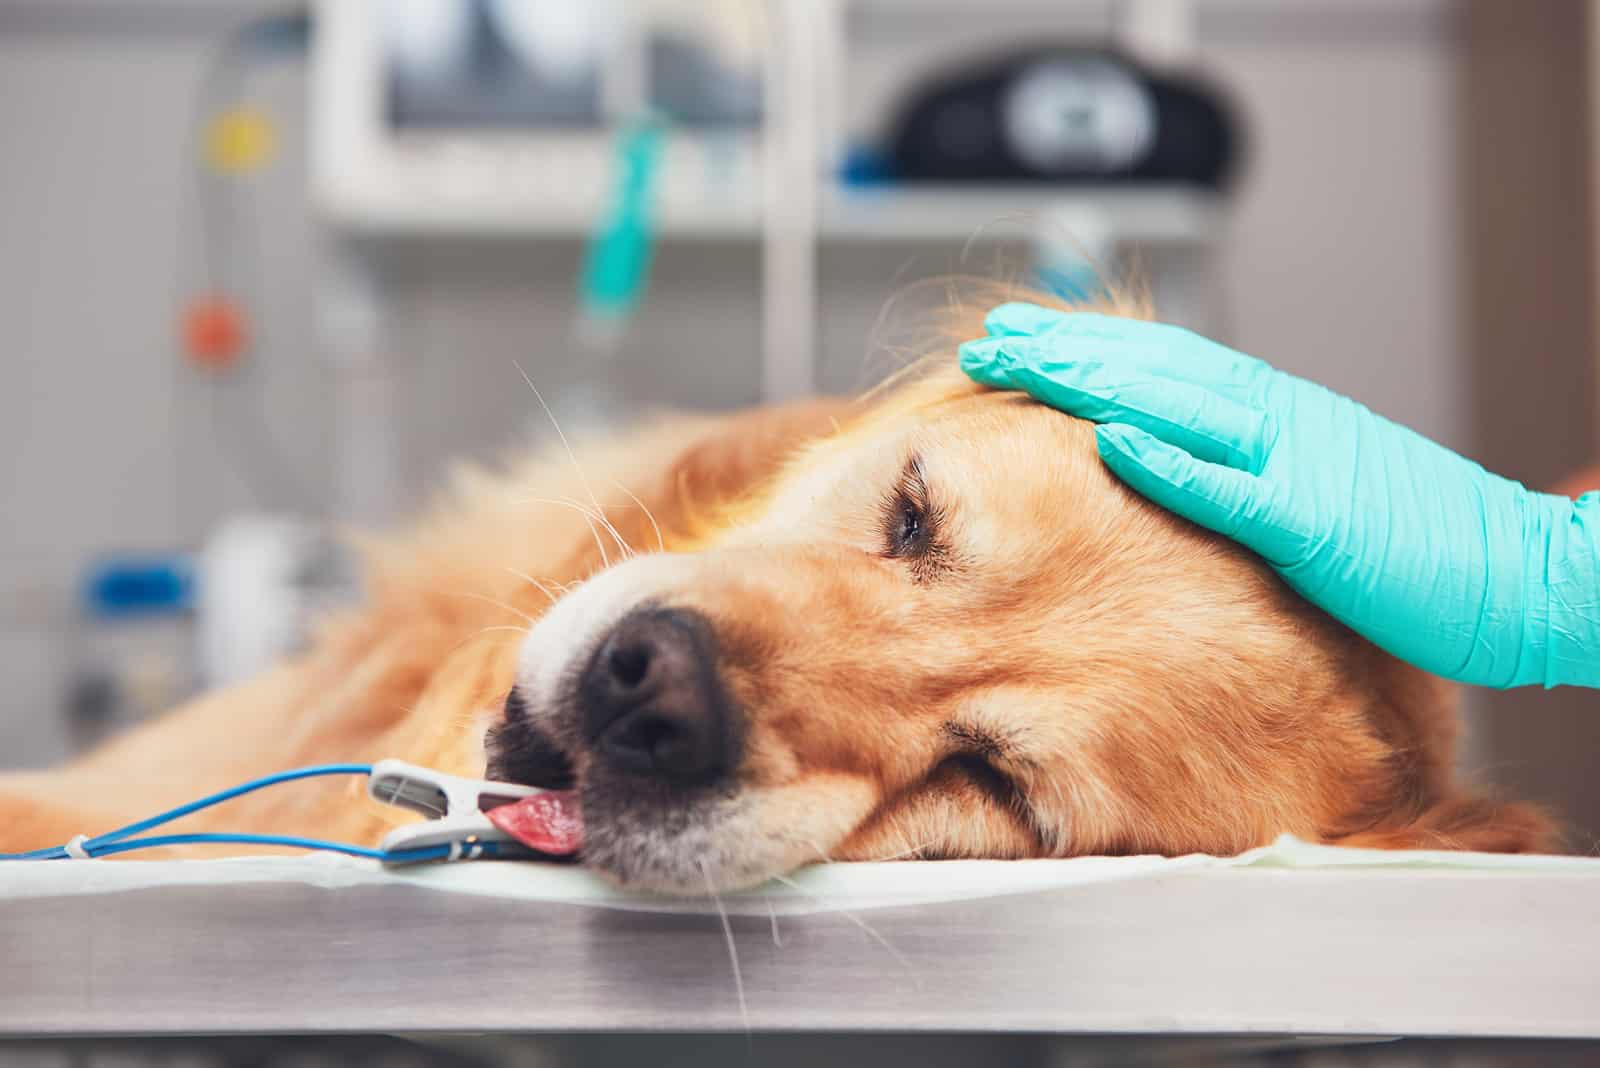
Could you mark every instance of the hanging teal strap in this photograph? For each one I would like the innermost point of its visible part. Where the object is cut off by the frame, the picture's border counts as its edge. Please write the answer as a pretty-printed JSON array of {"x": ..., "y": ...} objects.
[{"x": 617, "y": 265}]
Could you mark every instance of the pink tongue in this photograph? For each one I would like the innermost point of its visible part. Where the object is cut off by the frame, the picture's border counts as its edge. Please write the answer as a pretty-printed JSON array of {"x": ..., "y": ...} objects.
[{"x": 549, "y": 822}]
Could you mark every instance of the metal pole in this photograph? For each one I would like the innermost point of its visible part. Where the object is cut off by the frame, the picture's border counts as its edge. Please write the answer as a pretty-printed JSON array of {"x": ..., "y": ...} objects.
[{"x": 791, "y": 171}]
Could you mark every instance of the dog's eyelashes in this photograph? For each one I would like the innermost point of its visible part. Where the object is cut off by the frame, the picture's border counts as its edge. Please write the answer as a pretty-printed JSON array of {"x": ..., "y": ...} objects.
[{"x": 909, "y": 520}]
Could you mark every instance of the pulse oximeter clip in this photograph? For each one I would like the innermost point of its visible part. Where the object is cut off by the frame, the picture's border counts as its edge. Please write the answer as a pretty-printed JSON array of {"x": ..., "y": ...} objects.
[{"x": 455, "y": 808}]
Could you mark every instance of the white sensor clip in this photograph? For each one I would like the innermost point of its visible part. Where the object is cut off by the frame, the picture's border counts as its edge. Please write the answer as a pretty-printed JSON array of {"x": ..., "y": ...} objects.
[{"x": 454, "y": 805}]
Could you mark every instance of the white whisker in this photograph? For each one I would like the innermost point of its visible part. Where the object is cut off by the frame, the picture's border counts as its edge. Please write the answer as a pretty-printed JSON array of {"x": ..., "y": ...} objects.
[
  {"x": 485, "y": 630},
  {"x": 772, "y": 910},
  {"x": 588, "y": 517},
  {"x": 499, "y": 604},
  {"x": 909, "y": 851},
  {"x": 859, "y": 922},
  {"x": 535, "y": 583},
  {"x": 661, "y": 543},
  {"x": 610, "y": 528},
  {"x": 821, "y": 853},
  {"x": 733, "y": 950},
  {"x": 504, "y": 626},
  {"x": 565, "y": 444}
]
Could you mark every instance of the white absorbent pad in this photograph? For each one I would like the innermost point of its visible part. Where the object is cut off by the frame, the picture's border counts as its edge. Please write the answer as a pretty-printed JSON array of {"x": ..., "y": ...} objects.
[{"x": 818, "y": 888}]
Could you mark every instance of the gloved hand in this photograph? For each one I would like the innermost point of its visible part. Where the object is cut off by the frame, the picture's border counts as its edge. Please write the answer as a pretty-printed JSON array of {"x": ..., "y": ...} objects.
[{"x": 1458, "y": 571}]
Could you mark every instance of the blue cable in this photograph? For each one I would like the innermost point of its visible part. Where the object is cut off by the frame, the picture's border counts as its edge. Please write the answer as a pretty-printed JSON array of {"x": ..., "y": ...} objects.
[
  {"x": 53, "y": 853},
  {"x": 227, "y": 795},
  {"x": 293, "y": 842},
  {"x": 117, "y": 841},
  {"x": 237, "y": 839}
]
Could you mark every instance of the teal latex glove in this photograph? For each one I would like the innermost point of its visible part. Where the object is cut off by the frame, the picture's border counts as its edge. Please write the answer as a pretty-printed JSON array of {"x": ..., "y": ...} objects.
[{"x": 1458, "y": 571}]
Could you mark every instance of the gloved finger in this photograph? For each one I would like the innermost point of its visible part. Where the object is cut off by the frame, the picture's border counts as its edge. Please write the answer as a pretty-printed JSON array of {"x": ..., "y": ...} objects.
[
  {"x": 1234, "y": 503},
  {"x": 1019, "y": 318},
  {"x": 1027, "y": 333},
  {"x": 1022, "y": 319},
  {"x": 984, "y": 361},
  {"x": 1209, "y": 425},
  {"x": 991, "y": 360},
  {"x": 1206, "y": 425}
]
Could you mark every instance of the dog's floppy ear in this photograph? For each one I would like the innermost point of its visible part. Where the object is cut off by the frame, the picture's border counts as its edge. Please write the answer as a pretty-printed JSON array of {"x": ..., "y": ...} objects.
[
  {"x": 1469, "y": 823},
  {"x": 742, "y": 453}
]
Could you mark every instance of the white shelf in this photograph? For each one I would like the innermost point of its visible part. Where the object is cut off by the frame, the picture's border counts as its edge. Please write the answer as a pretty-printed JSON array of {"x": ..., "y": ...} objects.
[
  {"x": 1146, "y": 215},
  {"x": 1178, "y": 215}
]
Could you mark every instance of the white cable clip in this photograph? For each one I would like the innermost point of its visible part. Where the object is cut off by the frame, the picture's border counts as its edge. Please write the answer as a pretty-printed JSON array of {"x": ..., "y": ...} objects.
[
  {"x": 74, "y": 848},
  {"x": 455, "y": 805}
]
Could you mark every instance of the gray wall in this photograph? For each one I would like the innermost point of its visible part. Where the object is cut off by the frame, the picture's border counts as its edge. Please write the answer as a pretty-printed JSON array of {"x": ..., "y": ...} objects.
[
  {"x": 1528, "y": 282},
  {"x": 1342, "y": 266}
]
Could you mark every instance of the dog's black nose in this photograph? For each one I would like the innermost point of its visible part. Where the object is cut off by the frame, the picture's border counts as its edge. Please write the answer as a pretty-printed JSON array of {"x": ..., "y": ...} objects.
[{"x": 652, "y": 701}]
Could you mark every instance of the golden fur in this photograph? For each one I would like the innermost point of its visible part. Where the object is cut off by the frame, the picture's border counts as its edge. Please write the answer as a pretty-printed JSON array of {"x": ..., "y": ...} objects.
[{"x": 1073, "y": 671}]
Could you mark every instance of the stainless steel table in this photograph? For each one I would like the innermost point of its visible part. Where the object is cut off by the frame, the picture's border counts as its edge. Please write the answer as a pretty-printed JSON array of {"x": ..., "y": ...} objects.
[{"x": 1159, "y": 948}]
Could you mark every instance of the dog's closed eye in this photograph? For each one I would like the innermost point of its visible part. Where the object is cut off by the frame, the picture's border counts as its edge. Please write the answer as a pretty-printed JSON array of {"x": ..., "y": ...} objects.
[
  {"x": 974, "y": 770},
  {"x": 912, "y": 524},
  {"x": 908, "y": 529},
  {"x": 976, "y": 759}
]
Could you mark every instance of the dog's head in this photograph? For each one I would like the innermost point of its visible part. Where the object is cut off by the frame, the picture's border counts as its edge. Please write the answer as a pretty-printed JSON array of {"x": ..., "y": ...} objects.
[{"x": 946, "y": 631}]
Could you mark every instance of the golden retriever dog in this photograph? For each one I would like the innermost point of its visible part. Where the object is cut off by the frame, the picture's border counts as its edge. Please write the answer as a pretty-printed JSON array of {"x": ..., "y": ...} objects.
[{"x": 927, "y": 624}]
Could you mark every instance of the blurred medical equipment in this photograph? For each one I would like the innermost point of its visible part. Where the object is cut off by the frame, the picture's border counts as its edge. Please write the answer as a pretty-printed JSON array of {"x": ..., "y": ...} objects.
[
  {"x": 263, "y": 584},
  {"x": 152, "y": 629},
  {"x": 589, "y": 81},
  {"x": 231, "y": 140},
  {"x": 127, "y": 642},
  {"x": 407, "y": 139},
  {"x": 545, "y": 118},
  {"x": 148, "y": 629},
  {"x": 1062, "y": 115},
  {"x": 444, "y": 116}
]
